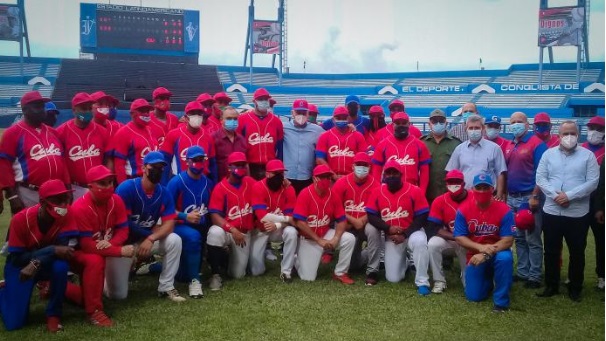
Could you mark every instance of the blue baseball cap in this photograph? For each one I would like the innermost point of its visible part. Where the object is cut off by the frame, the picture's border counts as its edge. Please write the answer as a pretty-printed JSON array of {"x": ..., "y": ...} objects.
[
  {"x": 482, "y": 179},
  {"x": 492, "y": 119},
  {"x": 154, "y": 157},
  {"x": 352, "y": 98},
  {"x": 50, "y": 106},
  {"x": 194, "y": 151}
]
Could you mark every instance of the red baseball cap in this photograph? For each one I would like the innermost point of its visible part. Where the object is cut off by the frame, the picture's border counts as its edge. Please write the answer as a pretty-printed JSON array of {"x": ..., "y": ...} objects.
[
  {"x": 597, "y": 120},
  {"x": 524, "y": 219},
  {"x": 393, "y": 164},
  {"x": 261, "y": 93},
  {"x": 161, "y": 91},
  {"x": 236, "y": 157},
  {"x": 542, "y": 117},
  {"x": 275, "y": 165},
  {"x": 396, "y": 102},
  {"x": 322, "y": 169},
  {"x": 100, "y": 95},
  {"x": 300, "y": 104},
  {"x": 455, "y": 174},
  {"x": 340, "y": 110},
  {"x": 82, "y": 98},
  {"x": 32, "y": 96},
  {"x": 193, "y": 105},
  {"x": 53, "y": 187},
  {"x": 205, "y": 97},
  {"x": 140, "y": 104},
  {"x": 400, "y": 116},
  {"x": 312, "y": 108},
  {"x": 97, "y": 173},
  {"x": 222, "y": 96},
  {"x": 361, "y": 157},
  {"x": 375, "y": 110},
  {"x": 272, "y": 102}
]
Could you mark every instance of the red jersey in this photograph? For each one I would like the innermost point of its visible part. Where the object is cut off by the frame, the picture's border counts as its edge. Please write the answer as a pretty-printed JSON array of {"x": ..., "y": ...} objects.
[
  {"x": 598, "y": 151},
  {"x": 339, "y": 149},
  {"x": 553, "y": 141},
  {"x": 130, "y": 145},
  {"x": 411, "y": 153},
  {"x": 97, "y": 223},
  {"x": 399, "y": 208},
  {"x": 354, "y": 196},
  {"x": 263, "y": 135},
  {"x": 112, "y": 127},
  {"x": 388, "y": 131},
  {"x": 372, "y": 139},
  {"x": 85, "y": 148},
  {"x": 280, "y": 202},
  {"x": 161, "y": 127},
  {"x": 31, "y": 156},
  {"x": 318, "y": 211},
  {"x": 444, "y": 210},
  {"x": 503, "y": 143},
  {"x": 234, "y": 204},
  {"x": 212, "y": 125},
  {"x": 26, "y": 235},
  {"x": 177, "y": 142}
]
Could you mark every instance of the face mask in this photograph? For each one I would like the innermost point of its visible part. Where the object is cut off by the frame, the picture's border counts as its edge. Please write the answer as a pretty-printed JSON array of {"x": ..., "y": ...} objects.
[
  {"x": 393, "y": 183},
  {"x": 85, "y": 117},
  {"x": 341, "y": 124},
  {"x": 154, "y": 175},
  {"x": 195, "y": 121},
  {"x": 112, "y": 113},
  {"x": 162, "y": 105},
  {"x": 300, "y": 120},
  {"x": 595, "y": 137},
  {"x": 352, "y": 109},
  {"x": 401, "y": 132},
  {"x": 474, "y": 135},
  {"x": 262, "y": 106},
  {"x": 197, "y": 167},
  {"x": 517, "y": 129},
  {"x": 207, "y": 112},
  {"x": 492, "y": 133},
  {"x": 455, "y": 190},
  {"x": 482, "y": 197},
  {"x": 101, "y": 194},
  {"x": 239, "y": 173},
  {"x": 57, "y": 212},
  {"x": 312, "y": 119},
  {"x": 438, "y": 128},
  {"x": 466, "y": 116},
  {"x": 37, "y": 116},
  {"x": 568, "y": 141},
  {"x": 275, "y": 182},
  {"x": 141, "y": 120},
  {"x": 101, "y": 114},
  {"x": 231, "y": 125},
  {"x": 361, "y": 171},
  {"x": 323, "y": 184}
]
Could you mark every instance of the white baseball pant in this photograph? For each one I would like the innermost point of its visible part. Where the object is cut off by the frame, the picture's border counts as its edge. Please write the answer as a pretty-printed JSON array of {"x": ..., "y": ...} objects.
[
  {"x": 309, "y": 253},
  {"x": 118, "y": 269},
  {"x": 371, "y": 255},
  {"x": 288, "y": 235},
  {"x": 240, "y": 257},
  {"x": 396, "y": 263},
  {"x": 439, "y": 246}
]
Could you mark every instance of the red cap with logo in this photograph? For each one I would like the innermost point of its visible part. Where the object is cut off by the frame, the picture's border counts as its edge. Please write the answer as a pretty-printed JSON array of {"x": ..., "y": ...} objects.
[
  {"x": 97, "y": 173},
  {"x": 140, "y": 104},
  {"x": 392, "y": 164},
  {"x": 400, "y": 116},
  {"x": 82, "y": 98},
  {"x": 322, "y": 169},
  {"x": 313, "y": 109},
  {"x": 455, "y": 174},
  {"x": 33, "y": 96},
  {"x": 396, "y": 102},
  {"x": 261, "y": 93},
  {"x": 275, "y": 165},
  {"x": 340, "y": 111},
  {"x": 597, "y": 120},
  {"x": 361, "y": 157},
  {"x": 300, "y": 104},
  {"x": 542, "y": 117},
  {"x": 205, "y": 98},
  {"x": 222, "y": 96},
  {"x": 161, "y": 91},
  {"x": 193, "y": 105},
  {"x": 376, "y": 110},
  {"x": 236, "y": 157},
  {"x": 524, "y": 219},
  {"x": 53, "y": 187}
]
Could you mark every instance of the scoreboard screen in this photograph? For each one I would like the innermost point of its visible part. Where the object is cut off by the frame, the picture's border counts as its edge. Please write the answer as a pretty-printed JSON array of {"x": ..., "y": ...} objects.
[{"x": 143, "y": 30}]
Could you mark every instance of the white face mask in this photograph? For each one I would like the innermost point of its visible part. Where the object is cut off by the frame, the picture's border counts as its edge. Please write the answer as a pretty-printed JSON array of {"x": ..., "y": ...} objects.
[
  {"x": 474, "y": 135},
  {"x": 361, "y": 171},
  {"x": 453, "y": 188},
  {"x": 62, "y": 211},
  {"x": 568, "y": 142},
  {"x": 195, "y": 121},
  {"x": 104, "y": 111},
  {"x": 300, "y": 119},
  {"x": 492, "y": 133},
  {"x": 595, "y": 137},
  {"x": 263, "y": 105}
]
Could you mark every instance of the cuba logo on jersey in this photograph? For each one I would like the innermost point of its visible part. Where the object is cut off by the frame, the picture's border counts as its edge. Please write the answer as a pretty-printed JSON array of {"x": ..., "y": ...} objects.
[
  {"x": 405, "y": 161},
  {"x": 387, "y": 214},
  {"x": 77, "y": 152},
  {"x": 98, "y": 236},
  {"x": 334, "y": 151},
  {"x": 483, "y": 229},
  {"x": 314, "y": 222},
  {"x": 350, "y": 206},
  {"x": 256, "y": 138},
  {"x": 38, "y": 151},
  {"x": 146, "y": 151},
  {"x": 237, "y": 213},
  {"x": 147, "y": 223},
  {"x": 202, "y": 209}
]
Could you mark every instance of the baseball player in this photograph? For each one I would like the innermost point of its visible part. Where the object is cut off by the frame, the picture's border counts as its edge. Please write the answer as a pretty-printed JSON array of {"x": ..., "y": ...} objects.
[
  {"x": 337, "y": 147},
  {"x": 396, "y": 106},
  {"x": 232, "y": 217},
  {"x": 377, "y": 122},
  {"x": 273, "y": 202},
  {"x": 151, "y": 212},
  {"x": 440, "y": 225},
  {"x": 161, "y": 120},
  {"x": 84, "y": 141},
  {"x": 101, "y": 218},
  {"x": 485, "y": 227},
  {"x": 317, "y": 207},
  {"x": 191, "y": 191},
  {"x": 411, "y": 153},
  {"x": 185, "y": 136},
  {"x": 221, "y": 102},
  {"x": 354, "y": 116},
  {"x": 133, "y": 141},
  {"x": 210, "y": 124},
  {"x": 101, "y": 110},
  {"x": 263, "y": 132},
  {"x": 51, "y": 114},
  {"x": 313, "y": 113},
  {"x": 353, "y": 191},
  {"x": 40, "y": 244},
  {"x": 400, "y": 210}
]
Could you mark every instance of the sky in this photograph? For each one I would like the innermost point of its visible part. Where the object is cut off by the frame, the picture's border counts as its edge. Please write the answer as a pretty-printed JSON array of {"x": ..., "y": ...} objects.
[{"x": 345, "y": 36}]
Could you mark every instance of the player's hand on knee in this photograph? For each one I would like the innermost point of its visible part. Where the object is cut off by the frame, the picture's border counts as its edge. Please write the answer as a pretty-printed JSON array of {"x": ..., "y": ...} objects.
[
  {"x": 269, "y": 227},
  {"x": 194, "y": 217},
  {"x": 477, "y": 259},
  {"x": 324, "y": 244},
  {"x": 397, "y": 239},
  {"x": 145, "y": 248},
  {"x": 238, "y": 237},
  {"x": 64, "y": 252},
  {"x": 395, "y": 230},
  {"x": 103, "y": 244},
  {"x": 127, "y": 251},
  {"x": 489, "y": 249},
  {"x": 30, "y": 270}
]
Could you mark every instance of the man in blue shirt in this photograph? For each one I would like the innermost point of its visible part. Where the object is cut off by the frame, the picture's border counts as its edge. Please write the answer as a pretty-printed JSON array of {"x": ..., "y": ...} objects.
[{"x": 362, "y": 124}]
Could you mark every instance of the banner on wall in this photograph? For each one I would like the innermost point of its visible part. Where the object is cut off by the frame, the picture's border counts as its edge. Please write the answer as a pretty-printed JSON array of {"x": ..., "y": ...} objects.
[
  {"x": 10, "y": 22},
  {"x": 561, "y": 26},
  {"x": 266, "y": 37}
]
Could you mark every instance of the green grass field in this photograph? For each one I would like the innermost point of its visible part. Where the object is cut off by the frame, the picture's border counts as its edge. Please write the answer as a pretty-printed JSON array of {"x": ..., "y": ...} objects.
[{"x": 264, "y": 308}]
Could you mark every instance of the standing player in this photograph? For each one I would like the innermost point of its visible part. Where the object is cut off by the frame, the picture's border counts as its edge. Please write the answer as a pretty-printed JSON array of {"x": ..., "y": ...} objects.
[
  {"x": 207, "y": 103},
  {"x": 354, "y": 191},
  {"x": 396, "y": 106},
  {"x": 313, "y": 113},
  {"x": 273, "y": 202},
  {"x": 264, "y": 133},
  {"x": 221, "y": 102},
  {"x": 338, "y": 146},
  {"x": 484, "y": 227},
  {"x": 133, "y": 141},
  {"x": 101, "y": 110},
  {"x": 51, "y": 114},
  {"x": 440, "y": 227},
  {"x": 377, "y": 122},
  {"x": 191, "y": 191},
  {"x": 85, "y": 142},
  {"x": 400, "y": 210},
  {"x": 317, "y": 207},
  {"x": 542, "y": 130},
  {"x": 410, "y": 153},
  {"x": 162, "y": 121},
  {"x": 361, "y": 123}
]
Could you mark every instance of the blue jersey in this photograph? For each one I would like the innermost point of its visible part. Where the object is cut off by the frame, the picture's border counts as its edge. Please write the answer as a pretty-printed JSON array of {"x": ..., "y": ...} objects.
[
  {"x": 144, "y": 211},
  {"x": 191, "y": 194}
]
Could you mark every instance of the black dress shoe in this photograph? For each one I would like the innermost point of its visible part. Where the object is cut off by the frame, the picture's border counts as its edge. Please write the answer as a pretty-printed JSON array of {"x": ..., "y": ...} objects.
[
  {"x": 575, "y": 296},
  {"x": 532, "y": 285},
  {"x": 548, "y": 292}
]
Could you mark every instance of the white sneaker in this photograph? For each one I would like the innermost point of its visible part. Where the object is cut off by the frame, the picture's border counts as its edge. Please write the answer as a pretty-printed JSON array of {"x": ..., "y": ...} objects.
[
  {"x": 269, "y": 255},
  {"x": 172, "y": 295},
  {"x": 144, "y": 269},
  {"x": 215, "y": 282},
  {"x": 195, "y": 289},
  {"x": 601, "y": 283},
  {"x": 438, "y": 287}
]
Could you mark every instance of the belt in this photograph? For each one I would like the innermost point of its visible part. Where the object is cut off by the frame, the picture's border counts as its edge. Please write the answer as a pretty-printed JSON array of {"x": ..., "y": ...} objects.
[
  {"x": 519, "y": 194},
  {"x": 29, "y": 186}
]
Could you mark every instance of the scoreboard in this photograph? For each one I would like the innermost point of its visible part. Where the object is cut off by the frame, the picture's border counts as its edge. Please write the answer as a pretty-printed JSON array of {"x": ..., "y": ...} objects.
[{"x": 125, "y": 29}]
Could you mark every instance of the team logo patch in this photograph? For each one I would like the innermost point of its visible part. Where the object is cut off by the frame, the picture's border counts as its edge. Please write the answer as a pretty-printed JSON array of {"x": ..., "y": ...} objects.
[
  {"x": 405, "y": 161},
  {"x": 38, "y": 151},
  {"x": 350, "y": 206},
  {"x": 482, "y": 229},
  {"x": 313, "y": 221},
  {"x": 256, "y": 138},
  {"x": 236, "y": 213},
  {"x": 201, "y": 209},
  {"x": 147, "y": 223},
  {"x": 334, "y": 151},
  {"x": 387, "y": 214},
  {"x": 77, "y": 152}
]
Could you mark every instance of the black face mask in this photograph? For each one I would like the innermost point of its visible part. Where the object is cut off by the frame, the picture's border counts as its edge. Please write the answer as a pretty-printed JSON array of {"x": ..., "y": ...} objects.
[
  {"x": 401, "y": 132},
  {"x": 154, "y": 175},
  {"x": 352, "y": 109},
  {"x": 393, "y": 183},
  {"x": 51, "y": 119},
  {"x": 35, "y": 116},
  {"x": 275, "y": 182},
  {"x": 377, "y": 123}
]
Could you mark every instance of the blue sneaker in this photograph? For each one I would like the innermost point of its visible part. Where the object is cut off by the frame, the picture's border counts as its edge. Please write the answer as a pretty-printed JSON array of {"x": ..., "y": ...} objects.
[{"x": 423, "y": 290}]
